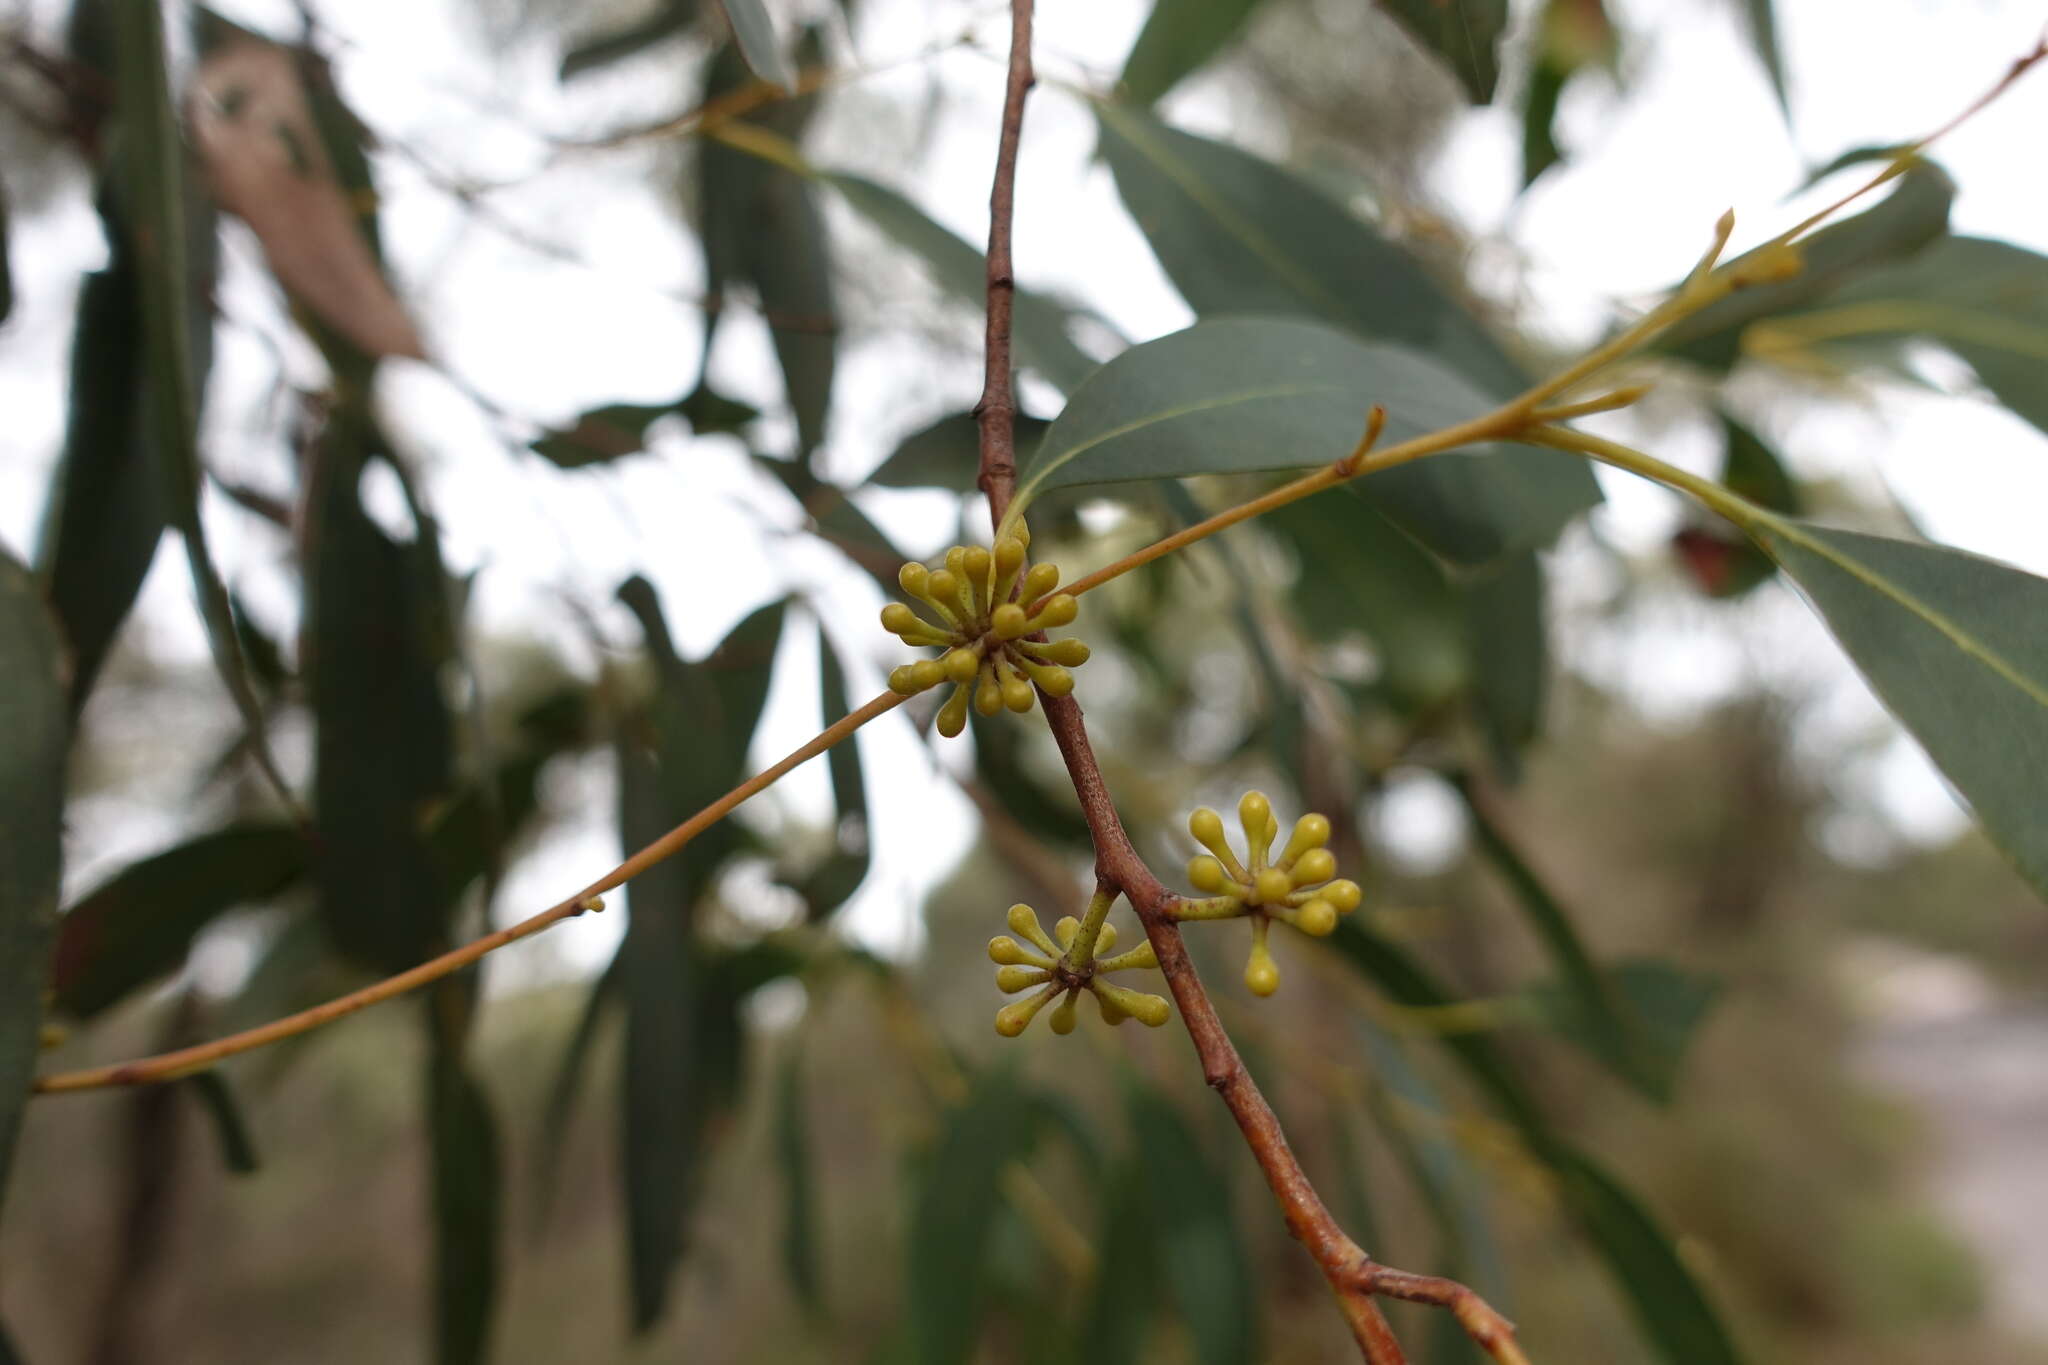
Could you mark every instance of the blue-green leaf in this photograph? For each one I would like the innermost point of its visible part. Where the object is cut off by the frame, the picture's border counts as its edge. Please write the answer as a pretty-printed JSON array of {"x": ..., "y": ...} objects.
[
  {"x": 1201, "y": 1254},
  {"x": 35, "y": 731},
  {"x": 1247, "y": 394},
  {"x": 467, "y": 1195},
  {"x": 1953, "y": 644},
  {"x": 1465, "y": 34},
  {"x": 755, "y": 33},
  {"x": 1179, "y": 37}
]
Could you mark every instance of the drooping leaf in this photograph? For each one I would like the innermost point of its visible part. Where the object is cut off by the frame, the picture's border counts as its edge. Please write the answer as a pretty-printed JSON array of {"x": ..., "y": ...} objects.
[
  {"x": 1040, "y": 324},
  {"x": 1763, "y": 36},
  {"x": 1245, "y": 394},
  {"x": 601, "y": 435},
  {"x": 35, "y": 732},
  {"x": 136, "y": 926},
  {"x": 1572, "y": 35},
  {"x": 1179, "y": 37},
  {"x": 230, "y": 1126},
  {"x": 467, "y": 1197},
  {"x": 110, "y": 507},
  {"x": 846, "y": 866},
  {"x": 946, "y": 454},
  {"x": 1464, "y": 34},
  {"x": 1666, "y": 1003},
  {"x": 1117, "y": 1321},
  {"x": 1668, "y": 1302},
  {"x": 1985, "y": 300},
  {"x": 268, "y": 165},
  {"x": 799, "y": 1211},
  {"x": 953, "y": 1208},
  {"x": 376, "y": 641},
  {"x": 1509, "y": 637},
  {"x": 1602, "y": 1013},
  {"x": 1951, "y": 642},
  {"x": 755, "y": 33},
  {"x": 1237, "y": 234},
  {"x": 567, "y": 1085},
  {"x": 603, "y": 49},
  {"x": 158, "y": 212},
  {"x": 762, "y": 228},
  {"x": 1201, "y": 1252},
  {"x": 1912, "y": 216}
]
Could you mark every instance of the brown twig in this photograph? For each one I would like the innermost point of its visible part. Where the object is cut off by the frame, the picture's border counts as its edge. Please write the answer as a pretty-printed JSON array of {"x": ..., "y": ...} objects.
[{"x": 1118, "y": 866}]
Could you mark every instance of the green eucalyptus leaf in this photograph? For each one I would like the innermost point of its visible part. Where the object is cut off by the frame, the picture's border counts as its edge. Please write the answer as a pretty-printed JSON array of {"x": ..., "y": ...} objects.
[
  {"x": 1985, "y": 300},
  {"x": 601, "y": 435},
  {"x": 467, "y": 1200},
  {"x": 1040, "y": 324},
  {"x": 843, "y": 870},
  {"x": 947, "y": 453},
  {"x": 1666, "y": 1005},
  {"x": 1763, "y": 36},
  {"x": 35, "y": 733},
  {"x": 1249, "y": 394},
  {"x": 230, "y": 1125},
  {"x": 754, "y": 32},
  {"x": 152, "y": 182},
  {"x": 1116, "y": 1324},
  {"x": 603, "y": 49},
  {"x": 1952, "y": 643},
  {"x": 1464, "y": 34},
  {"x": 958, "y": 1190},
  {"x": 567, "y": 1084},
  {"x": 1179, "y": 37},
  {"x": 799, "y": 1211},
  {"x": 1201, "y": 1251},
  {"x": 1509, "y": 638},
  {"x": 1237, "y": 234},
  {"x": 135, "y": 927}
]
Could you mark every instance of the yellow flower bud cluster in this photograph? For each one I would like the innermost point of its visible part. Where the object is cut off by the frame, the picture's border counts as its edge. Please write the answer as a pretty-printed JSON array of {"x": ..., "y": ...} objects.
[
  {"x": 985, "y": 604},
  {"x": 1295, "y": 888},
  {"x": 1066, "y": 969}
]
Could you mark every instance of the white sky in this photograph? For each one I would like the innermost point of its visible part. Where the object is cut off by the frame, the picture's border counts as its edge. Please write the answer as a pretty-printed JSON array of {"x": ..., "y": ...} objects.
[{"x": 1693, "y": 131}]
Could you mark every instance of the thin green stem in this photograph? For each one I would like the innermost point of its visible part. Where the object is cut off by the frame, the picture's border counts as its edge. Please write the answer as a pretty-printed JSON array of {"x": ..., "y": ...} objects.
[
  {"x": 1714, "y": 496},
  {"x": 1080, "y": 954}
]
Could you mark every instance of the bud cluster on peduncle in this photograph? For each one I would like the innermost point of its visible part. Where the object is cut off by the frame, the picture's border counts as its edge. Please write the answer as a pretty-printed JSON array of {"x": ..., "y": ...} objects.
[
  {"x": 986, "y": 604},
  {"x": 1067, "y": 968},
  {"x": 1295, "y": 888}
]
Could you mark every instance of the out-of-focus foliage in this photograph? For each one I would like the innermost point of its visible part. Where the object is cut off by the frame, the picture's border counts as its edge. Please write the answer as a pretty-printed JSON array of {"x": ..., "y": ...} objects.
[{"x": 743, "y": 1110}]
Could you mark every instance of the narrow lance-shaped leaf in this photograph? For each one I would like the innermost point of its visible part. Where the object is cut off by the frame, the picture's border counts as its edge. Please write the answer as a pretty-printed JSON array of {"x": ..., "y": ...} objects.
[
  {"x": 1668, "y": 1302},
  {"x": 1247, "y": 394},
  {"x": 1179, "y": 36},
  {"x": 1762, "y": 23},
  {"x": 136, "y": 927},
  {"x": 1464, "y": 34},
  {"x": 467, "y": 1180},
  {"x": 230, "y": 1126},
  {"x": 952, "y": 1212},
  {"x": 1953, "y": 644},
  {"x": 1571, "y": 35},
  {"x": 1510, "y": 644},
  {"x": 602, "y": 49},
  {"x": 35, "y": 732},
  {"x": 153, "y": 177},
  {"x": 567, "y": 1085},
  {"x": 755, "y": 33},
  {"x": 799, "y": 1208},
  {"x": 1039, "y": 323},
  {"x": 1201, "y": 1251},
  {"x": 844, "y": 868},
  {"x": 944, "y": 454}
]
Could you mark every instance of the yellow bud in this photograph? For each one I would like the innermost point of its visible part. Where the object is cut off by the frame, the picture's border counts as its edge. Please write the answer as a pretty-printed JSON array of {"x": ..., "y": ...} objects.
[
  {"x": 1008, "y": 621},
  {"x": 1059, "y": 610},
  {"x": 1144, "y": 957},
  {"x": 1206, "y": 874},
  {"x": 1022, "y": 532},
  {"x": 1343, "y": 894},
  {"x": 956, "y": 560},
  {"x": 1065, "y": 930},
  {"x": 1072, "y": 653},
  {"x": 898, "y": 619},
  {"x": 1316, "y": 865},
  {"x": 1206, "y": 825},
  {"x": 927, "y": 673},
  {"x": 1317, "y": 918},
  {"x": 1055, "y": 681},
  {"x": 1255, "y": 813},
  {"x": 1261, "y": 976},
  {"x": 1149, "y": 1010},
  {"x": 1010, "y": 980},
  {"x": 1009, "y": 556},
  {"x": 1012, "y": 1020},
  {"x": 953, "y": 715},
  {"x": 1310, "y": 831},
  {"x": 1270, "y": 887},
  {"x": 1005, "y": 951},
  {"x": 1062, "y": 1017},
  {"x": 914, "y": 578},
  {"x": 1042, "y": 579},
  {"x": 1105, "y": 939},
  {"x": 1112, "y": 1012},
  {"x": 1024, "y": 920},
  {"x": 961, "y": 664},
  {"x": 943, "y": 586},
  {"x": 988, "y": 694},
  {"x": 975, "y": 564}
]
